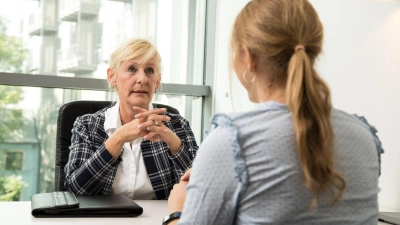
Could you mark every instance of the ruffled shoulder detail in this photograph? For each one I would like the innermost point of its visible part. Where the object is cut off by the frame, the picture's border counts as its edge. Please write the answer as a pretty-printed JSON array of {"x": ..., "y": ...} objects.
[
  {"x": 378, "y": 142},
  {"x": 240, "y": 165}
]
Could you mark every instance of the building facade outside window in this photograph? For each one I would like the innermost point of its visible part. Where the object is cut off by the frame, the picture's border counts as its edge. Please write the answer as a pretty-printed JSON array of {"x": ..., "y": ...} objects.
[{"x": 74, "y": 39}]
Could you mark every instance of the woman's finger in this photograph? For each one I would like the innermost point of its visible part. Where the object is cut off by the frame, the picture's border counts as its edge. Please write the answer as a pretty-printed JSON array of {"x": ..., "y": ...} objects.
[
  {"x": 155, "y": 138},
  {"x": 154, "y": 129},
  {"x": 158, "y": 118},
  {"x": 154, "y": 122},
  {"x": 152, "y": 136},
  {"x": 186, "y": 176},
  {"x": 158, "y": 133},
  {"x": 150, "y": 112}
]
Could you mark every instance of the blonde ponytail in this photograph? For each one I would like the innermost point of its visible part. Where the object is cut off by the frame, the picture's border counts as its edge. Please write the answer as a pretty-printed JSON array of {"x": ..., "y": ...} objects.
[{"x": 308, "y": 98}]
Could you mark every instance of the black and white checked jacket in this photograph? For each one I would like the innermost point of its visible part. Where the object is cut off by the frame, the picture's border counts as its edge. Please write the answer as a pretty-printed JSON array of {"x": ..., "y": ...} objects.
[{"x": 91, "y": 169}]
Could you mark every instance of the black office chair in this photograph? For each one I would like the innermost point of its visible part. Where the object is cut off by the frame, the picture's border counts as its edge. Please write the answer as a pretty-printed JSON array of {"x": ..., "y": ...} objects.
[{"x": 66, "y": 118}]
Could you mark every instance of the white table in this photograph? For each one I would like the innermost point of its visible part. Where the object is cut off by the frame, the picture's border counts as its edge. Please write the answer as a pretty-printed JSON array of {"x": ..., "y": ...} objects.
[{"x": 19, "y": 213}]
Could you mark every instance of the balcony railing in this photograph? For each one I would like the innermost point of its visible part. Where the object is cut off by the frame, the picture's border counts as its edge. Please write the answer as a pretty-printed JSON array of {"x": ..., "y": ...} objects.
[
  {"x": 75, "y": 60},
  {"x": 38, "y": 22},
  {"x": 69, "y": 10},
  {"x": 33, "y": 61}
]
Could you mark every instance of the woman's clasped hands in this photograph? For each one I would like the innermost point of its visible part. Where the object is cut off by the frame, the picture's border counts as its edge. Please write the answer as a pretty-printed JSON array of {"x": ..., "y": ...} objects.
[{"x": 149, "y": 125}]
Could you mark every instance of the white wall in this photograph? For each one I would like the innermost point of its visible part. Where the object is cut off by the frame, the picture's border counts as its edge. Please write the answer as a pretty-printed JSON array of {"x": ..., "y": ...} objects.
[
  {"x": 226, "y": 13},
  {"x": 360, "y": 62}
]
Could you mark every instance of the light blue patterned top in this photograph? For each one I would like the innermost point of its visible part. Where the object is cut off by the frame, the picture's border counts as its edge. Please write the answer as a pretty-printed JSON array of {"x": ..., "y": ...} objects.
[{"x": 247, "y": 172}]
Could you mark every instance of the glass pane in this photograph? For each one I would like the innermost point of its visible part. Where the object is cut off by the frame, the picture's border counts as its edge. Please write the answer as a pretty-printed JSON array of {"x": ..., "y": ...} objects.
[
  {"x": 28, "y": 133},
  {"x": 13, "y": 160},
  {"x": 77, "y": 37}
]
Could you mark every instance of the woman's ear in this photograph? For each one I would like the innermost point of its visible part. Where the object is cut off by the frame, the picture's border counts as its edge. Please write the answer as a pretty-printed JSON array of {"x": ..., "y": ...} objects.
[
  {"x": 111, "y": 77},
  {"x": 249, "y": 60}
]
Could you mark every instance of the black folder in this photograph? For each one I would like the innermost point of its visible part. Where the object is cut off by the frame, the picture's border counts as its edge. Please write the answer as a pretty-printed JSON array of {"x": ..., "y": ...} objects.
[{"x": 66, "y": 204}]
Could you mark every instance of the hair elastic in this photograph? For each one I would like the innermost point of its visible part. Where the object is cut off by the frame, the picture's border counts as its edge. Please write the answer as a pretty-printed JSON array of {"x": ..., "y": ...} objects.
[{"x": 299, "y": 47}]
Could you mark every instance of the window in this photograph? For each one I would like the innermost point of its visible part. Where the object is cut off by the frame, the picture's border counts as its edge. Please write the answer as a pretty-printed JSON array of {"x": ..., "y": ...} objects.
[
  {"x": 13, "y": 160},
  {"x": 60, "y": 51},
  {"x": 75, "y": 38}
]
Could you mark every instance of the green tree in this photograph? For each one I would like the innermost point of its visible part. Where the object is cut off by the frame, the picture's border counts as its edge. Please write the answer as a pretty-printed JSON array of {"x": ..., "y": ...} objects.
[
  {"x": 12, "y": 57},
  {"x": 11, "y": 118},
  {"x": 12, "y": 52},
  {"x": 11, "y": 188}
]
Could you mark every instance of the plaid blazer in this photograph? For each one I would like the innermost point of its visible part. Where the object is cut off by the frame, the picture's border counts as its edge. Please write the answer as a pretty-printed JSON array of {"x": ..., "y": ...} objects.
[{"x": 91, "y": 169}]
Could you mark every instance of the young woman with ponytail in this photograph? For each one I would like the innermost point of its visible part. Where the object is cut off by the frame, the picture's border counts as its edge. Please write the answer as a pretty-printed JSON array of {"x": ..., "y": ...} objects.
[{"x": 294, "y": 159}]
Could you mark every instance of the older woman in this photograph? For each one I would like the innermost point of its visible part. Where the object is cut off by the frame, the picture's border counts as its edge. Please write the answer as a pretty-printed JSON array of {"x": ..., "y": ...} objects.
[
  {"x": 294, "y": 159},
  {"x": 130, "y": 148}
]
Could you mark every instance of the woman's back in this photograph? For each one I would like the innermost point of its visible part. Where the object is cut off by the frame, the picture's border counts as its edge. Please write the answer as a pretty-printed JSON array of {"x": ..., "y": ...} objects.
[
  {"x": 247, "y": 171},
  {"x": 275, "y": 180}
]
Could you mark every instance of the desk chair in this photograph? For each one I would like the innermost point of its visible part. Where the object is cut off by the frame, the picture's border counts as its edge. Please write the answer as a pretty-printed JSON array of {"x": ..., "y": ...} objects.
[{"x": 66, "y": 118}]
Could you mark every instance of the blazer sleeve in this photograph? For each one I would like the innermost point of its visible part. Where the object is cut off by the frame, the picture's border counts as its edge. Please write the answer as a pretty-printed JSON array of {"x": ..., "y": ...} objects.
[
  {"x": 183, "y": 159},
  {"x": 88, "y": 170}
]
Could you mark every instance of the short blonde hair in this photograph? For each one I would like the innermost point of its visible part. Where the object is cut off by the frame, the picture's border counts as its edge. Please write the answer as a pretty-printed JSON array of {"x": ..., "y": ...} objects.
[{"x": 133, "y": 48}]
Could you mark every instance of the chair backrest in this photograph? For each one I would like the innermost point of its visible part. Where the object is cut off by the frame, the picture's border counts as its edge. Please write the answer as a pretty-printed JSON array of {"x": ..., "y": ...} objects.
[{"x": 66, "y": 118}]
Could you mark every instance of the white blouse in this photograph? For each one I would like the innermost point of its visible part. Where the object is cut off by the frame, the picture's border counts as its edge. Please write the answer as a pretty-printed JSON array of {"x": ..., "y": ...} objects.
[{"x": 131, "y": 179}]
